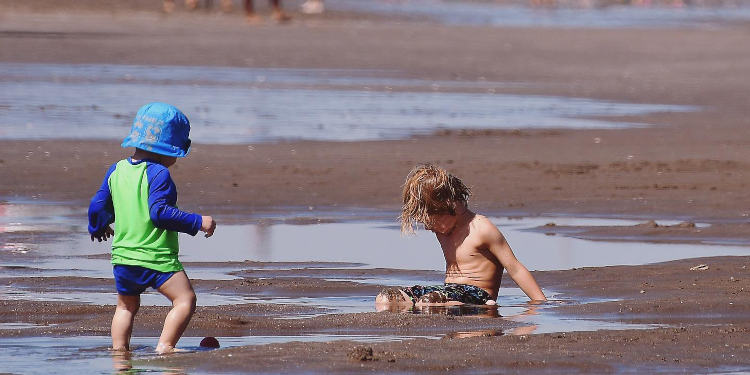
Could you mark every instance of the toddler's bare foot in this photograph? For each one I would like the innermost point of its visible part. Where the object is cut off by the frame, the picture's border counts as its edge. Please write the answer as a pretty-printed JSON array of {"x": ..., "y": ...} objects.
[{"x": 164, "y": 349}]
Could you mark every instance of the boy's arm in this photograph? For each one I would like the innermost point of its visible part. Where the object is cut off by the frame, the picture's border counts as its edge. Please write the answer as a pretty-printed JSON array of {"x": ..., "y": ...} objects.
[
  {"x": 101, "y": 210},
  {"x": 162, "y": 200},
  {"x": 518, "y": 272}
]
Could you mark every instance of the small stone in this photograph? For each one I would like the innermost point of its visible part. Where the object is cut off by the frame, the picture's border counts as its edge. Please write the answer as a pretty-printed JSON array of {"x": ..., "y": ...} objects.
[
  {"x": 361, "y": 353},
  {"x": 209, "y": 342}
]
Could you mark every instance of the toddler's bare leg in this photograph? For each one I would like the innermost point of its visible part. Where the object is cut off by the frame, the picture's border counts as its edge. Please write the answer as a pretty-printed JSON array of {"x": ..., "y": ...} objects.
[
  {"x": 122, "y": 321},
  {"x": 180, "y": 292}
]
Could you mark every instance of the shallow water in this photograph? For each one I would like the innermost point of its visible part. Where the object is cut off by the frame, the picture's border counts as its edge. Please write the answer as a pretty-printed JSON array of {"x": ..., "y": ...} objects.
[
  {"x": 52, "y": 101},
  {"x": 378, "y": 244},
  {"x": 89, "y": 354},
  {"x": 371, "y": 243},
  {"x": 560, "y": 13}
]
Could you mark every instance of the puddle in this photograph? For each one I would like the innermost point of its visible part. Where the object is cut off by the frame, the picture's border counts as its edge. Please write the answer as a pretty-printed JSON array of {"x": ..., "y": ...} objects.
[
  {"x": 549, "y": 322},
  {"x": 37, "y": 217},
  {"x": 379, "y": 244},
  {"x": 559, "y": 13},
  {"x": 20, "y": 325},
  {"x": 150, "y": 298},
  {"x": 335, "y": 105},
  {"x": 89, "y": 354}
]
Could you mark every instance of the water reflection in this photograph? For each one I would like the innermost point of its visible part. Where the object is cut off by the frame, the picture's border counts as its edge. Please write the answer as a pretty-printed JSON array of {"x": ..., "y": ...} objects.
[
  {"x": 379, "y": 245},
  {"x": 455, "y": 310},
  {"x": 262, "y": 238},
  {"x": 33, "y": 217},
  {"x": 480, "y": 333},
  {"x": 122, "y": 363}
]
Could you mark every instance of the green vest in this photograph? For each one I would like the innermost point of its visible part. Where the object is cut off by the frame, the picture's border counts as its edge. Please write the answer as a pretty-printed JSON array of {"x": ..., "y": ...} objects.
[{"x": 137, "y": 242}]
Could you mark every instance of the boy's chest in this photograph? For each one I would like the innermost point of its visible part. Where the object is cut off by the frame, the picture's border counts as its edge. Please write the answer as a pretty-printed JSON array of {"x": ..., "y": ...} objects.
[{"x": 462, "y": 250}]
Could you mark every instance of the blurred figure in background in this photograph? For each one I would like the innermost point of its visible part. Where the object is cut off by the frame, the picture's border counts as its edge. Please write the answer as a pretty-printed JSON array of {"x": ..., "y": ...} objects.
[
  {"x": 276, "y": 12},
  {"x": 169, "y": 5},
  {"x": 312, "y": 7}
]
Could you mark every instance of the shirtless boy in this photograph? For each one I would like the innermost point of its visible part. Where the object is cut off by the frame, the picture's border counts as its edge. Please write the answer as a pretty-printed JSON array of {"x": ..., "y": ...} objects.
[{"x": 475, "y": 251}]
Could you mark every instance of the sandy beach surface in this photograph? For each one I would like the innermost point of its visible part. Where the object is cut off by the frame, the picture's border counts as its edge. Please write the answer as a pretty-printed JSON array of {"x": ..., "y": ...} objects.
[{"x": 692, "y": 167}]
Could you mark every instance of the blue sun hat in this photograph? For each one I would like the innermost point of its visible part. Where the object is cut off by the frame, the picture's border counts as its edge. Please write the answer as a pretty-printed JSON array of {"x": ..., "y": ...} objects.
[{"x": 160, "y": 128}]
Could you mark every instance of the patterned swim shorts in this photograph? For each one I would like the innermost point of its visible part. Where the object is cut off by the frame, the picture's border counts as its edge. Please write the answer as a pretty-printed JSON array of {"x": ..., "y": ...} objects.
[{"x": 454, "y": 292}]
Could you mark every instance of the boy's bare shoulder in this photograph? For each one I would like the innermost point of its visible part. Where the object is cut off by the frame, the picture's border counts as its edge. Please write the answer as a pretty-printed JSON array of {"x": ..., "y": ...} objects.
[{"x": 485, "y": 228}]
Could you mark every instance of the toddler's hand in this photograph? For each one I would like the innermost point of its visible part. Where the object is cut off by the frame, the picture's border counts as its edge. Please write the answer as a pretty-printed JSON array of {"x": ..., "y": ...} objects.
[
  {"x": 106, "y": 233},
  {"x": 208, "y": 225}
]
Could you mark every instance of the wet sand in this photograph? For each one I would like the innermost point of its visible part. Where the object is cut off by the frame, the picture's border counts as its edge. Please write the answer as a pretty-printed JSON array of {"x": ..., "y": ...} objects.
[
  {"x": 703, "y": 313},
  {"x": 690, "y": 166},
  {"x": 564, "y": 176}
]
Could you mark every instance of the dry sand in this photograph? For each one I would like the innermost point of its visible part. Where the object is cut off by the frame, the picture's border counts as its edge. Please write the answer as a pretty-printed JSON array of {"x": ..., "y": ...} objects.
[{"x": 692, "y": 166}]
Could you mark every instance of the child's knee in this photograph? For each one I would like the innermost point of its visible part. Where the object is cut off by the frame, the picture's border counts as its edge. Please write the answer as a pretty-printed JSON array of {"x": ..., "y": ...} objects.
[
  {"x": 187, "y": 300},
  {"x": 128, "y": 303}
]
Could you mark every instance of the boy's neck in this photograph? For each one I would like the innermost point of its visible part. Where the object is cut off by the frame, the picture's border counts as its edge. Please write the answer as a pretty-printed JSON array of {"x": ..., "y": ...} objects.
[{"x": 463, "y": 214}]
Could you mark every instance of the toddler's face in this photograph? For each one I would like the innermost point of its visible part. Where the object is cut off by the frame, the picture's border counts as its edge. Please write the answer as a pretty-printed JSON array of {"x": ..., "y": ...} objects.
[{"x": 441, "y": 223}]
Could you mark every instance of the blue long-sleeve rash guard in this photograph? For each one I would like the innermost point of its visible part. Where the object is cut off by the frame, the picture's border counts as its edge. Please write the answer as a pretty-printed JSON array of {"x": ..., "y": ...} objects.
[{"x": 162, "y": 201}]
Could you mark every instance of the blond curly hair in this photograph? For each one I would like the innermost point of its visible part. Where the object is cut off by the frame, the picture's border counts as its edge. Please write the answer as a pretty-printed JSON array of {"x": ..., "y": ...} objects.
[{"x": 430, "y": 190}]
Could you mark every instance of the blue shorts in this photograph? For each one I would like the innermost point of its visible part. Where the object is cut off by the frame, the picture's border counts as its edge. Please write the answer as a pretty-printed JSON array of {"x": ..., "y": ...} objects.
[{"x": 133, "y": 280}]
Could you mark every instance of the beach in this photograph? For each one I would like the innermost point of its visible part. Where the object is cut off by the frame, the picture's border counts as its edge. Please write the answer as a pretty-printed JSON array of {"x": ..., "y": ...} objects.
[{"x": 690, "y": 167}]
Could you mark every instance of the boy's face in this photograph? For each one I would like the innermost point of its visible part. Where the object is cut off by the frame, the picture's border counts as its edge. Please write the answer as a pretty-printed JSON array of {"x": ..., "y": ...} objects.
[{"x": 441, "y": 223}]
